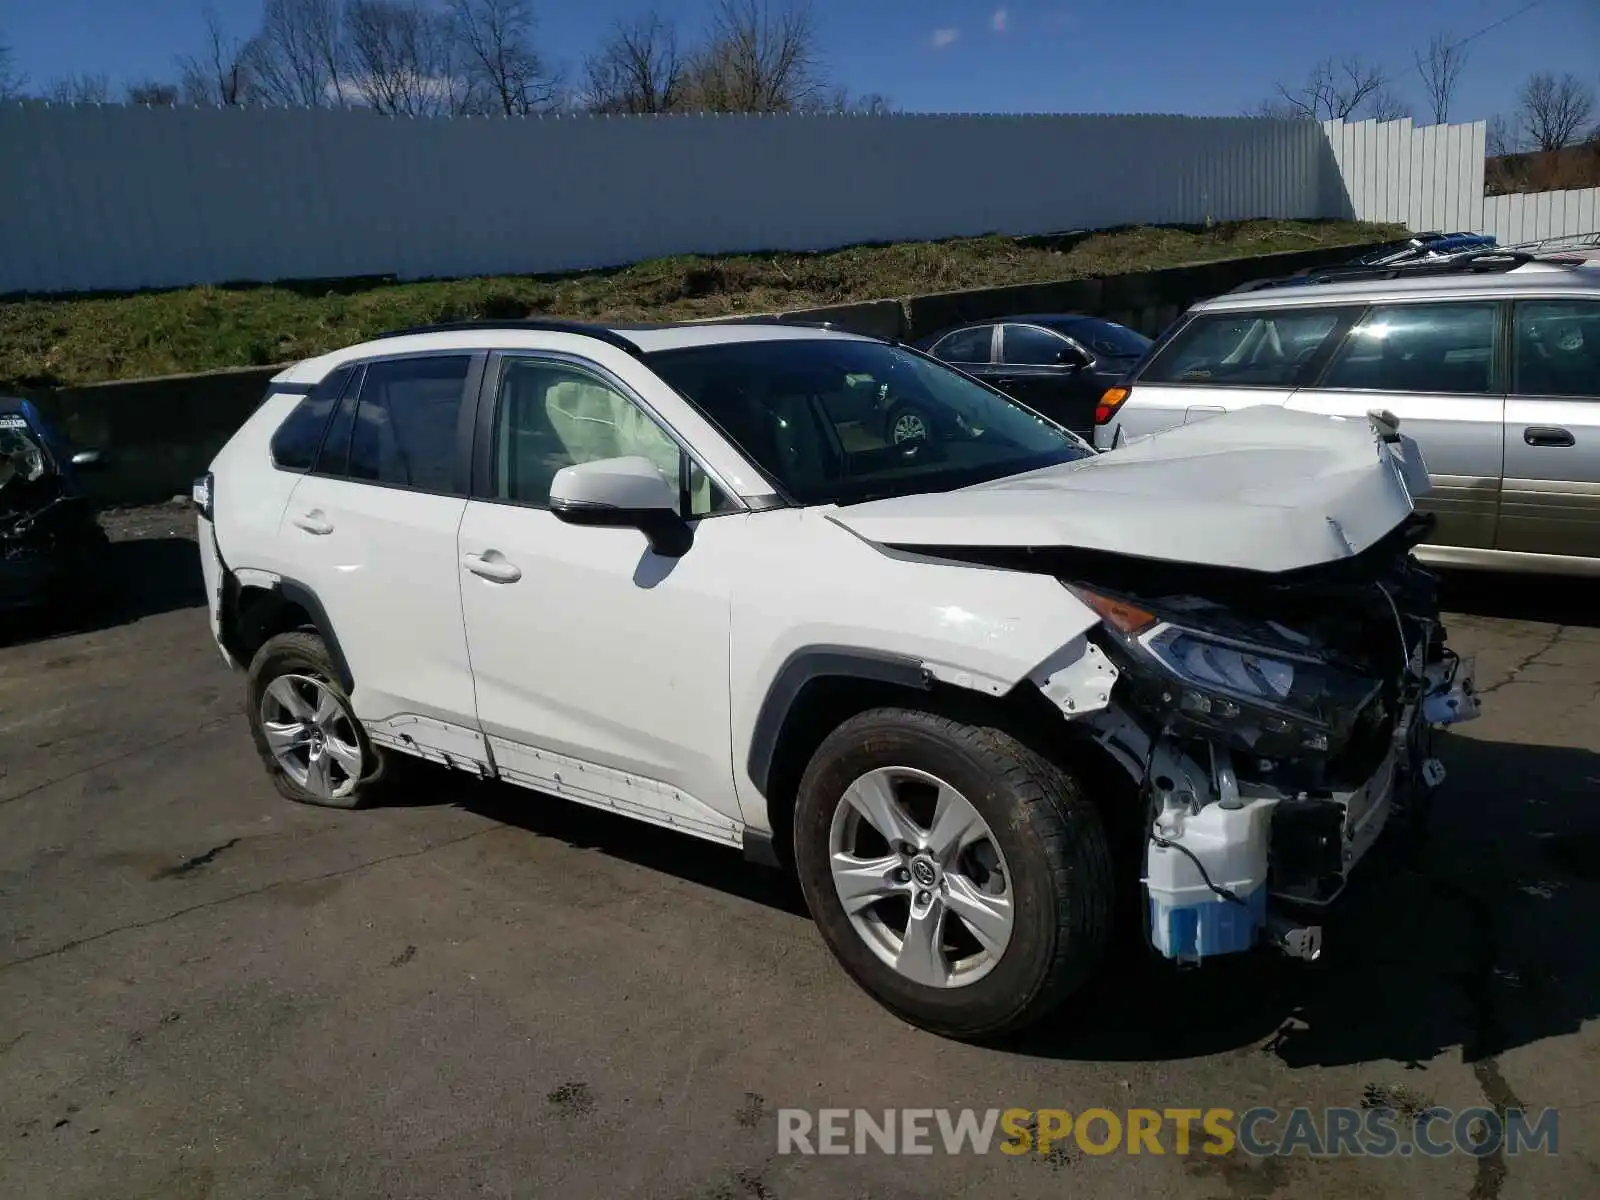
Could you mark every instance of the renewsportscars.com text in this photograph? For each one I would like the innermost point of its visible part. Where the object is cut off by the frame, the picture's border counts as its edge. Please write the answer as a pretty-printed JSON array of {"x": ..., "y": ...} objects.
[{"x": 1260, "y": 1132}]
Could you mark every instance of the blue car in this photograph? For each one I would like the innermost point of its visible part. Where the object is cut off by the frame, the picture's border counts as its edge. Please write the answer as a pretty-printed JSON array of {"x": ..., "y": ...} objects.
[{"x": 51, "y": 546}]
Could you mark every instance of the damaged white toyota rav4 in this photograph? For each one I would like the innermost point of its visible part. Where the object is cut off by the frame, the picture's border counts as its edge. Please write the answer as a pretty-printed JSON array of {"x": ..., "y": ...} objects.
[{"x": 973, "y": 689}]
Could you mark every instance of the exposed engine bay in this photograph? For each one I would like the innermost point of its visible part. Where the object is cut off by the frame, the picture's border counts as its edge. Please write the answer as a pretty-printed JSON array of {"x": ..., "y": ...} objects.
[{"x": 1274, "y": 725}]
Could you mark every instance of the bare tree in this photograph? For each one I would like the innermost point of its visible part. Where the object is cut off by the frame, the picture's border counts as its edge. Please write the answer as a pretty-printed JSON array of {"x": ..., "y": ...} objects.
[
  {"x": 840, "y": 101},
  {"x": 639, "y": 68},
  {"x": 153, "y": 93},
  {"x": 1498, "y": 141},
  {"x": 79, "y": 89},
  {"x": 1440, "y": 68},
  {"x": 760, "y": 56},
  {"x": 401, "y": 59},
  {"x": 12, "y": 81},
  {"x": 219, "y": 76},
  {"x": 295, "y": 59},
  {"x": 1554, "y": 113},
  {"x": 502, "y": 70},
  {"x": 1332, "y": 91},
  {"x": 1385, "y": 105}
]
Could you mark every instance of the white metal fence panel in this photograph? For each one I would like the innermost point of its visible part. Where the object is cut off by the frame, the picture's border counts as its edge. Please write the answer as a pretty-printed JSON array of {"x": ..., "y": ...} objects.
[
  {"x": 1527, "y": 216},
  {"x": 1426, "y": 178},
  {"x": 116, "y": 198}
]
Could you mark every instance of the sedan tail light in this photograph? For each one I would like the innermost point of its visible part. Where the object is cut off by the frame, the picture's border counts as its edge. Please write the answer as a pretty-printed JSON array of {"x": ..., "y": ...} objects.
[{"x": 1110, "y": 402}]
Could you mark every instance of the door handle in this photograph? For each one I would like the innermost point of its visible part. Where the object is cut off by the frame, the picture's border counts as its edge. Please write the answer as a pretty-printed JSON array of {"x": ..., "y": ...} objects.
[
  {"x": 495, "y": 568},
  {"x": 313, "y": 522},
  {"x": 1548, "y": 435},
  {"x": 1004, "y": 381}
]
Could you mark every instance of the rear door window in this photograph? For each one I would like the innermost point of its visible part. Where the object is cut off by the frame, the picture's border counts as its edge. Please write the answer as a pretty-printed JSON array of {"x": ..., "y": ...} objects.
[
  {"x": 405, "y": 432},
  {"x": 966, "y": 345},
  {"x": 1256, "y": 348},
  {"x": 1438, "y": 348},
  {"x": 1557, "y": 348}
]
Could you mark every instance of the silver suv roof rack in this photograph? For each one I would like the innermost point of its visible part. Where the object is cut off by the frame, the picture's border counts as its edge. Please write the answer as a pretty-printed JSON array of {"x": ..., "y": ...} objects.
[
  {"x": 1468, "y": 262},
  {"x": 1558, "y": 244}
]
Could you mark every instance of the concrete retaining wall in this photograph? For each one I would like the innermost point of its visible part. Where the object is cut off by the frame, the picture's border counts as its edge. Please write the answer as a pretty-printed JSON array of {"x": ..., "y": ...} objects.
[
  {"x": 161, "y": 433},
  {"x": 158, "y": 434}
]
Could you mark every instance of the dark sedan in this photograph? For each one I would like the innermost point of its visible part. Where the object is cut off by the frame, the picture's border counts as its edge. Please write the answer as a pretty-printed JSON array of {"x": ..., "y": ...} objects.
[
  {"x": 1058, "y": 363},
  {"x": 51, "y": 546}
]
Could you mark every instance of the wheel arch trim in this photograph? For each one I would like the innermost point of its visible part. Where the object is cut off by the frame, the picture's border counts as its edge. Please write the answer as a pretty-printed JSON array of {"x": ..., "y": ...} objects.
[
  {"x": 803, "y": 667},
  {"x": 293, "y": 591}
]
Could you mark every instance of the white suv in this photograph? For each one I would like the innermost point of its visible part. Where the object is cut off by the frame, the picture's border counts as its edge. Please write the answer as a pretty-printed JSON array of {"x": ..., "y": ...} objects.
[{"x": 973, "y": 689}]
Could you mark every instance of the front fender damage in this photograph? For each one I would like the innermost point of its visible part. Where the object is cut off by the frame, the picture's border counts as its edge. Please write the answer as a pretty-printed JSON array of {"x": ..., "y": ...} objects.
[{"x": 1077, "y": 678}]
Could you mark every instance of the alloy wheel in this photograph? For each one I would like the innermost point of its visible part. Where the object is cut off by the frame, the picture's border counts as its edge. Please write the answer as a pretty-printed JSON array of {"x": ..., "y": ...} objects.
[
  {"x": 909, "y": 427},
  {"x": 312, "y": 736},
  {"x": 921, "y": 877}
]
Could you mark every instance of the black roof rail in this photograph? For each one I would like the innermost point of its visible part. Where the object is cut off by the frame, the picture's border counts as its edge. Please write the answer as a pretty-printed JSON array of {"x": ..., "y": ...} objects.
[
  {"x": 600, "y": 333},
  {"x": 1482, "y": 262}
]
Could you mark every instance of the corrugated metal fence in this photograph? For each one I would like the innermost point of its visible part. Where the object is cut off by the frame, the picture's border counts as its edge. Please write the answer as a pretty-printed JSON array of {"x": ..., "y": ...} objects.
[
  {"x": 1532, "y": 215},
  {"x": 116, "y": 198},
  {"x": 1431, "y": 177}
]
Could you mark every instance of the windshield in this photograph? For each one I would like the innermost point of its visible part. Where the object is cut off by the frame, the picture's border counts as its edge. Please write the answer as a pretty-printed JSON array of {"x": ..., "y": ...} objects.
[
  {"x": 836, "y": 421},
  {"x": 1107, "y": 339}
]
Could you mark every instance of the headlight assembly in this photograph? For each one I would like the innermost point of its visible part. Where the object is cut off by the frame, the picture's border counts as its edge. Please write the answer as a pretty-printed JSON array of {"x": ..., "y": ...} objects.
[{"x": 1268, "y": 695}]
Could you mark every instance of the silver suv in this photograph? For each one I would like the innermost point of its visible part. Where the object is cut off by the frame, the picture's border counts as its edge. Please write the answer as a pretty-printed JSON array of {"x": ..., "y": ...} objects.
[{"x": 1491, "y": 361}]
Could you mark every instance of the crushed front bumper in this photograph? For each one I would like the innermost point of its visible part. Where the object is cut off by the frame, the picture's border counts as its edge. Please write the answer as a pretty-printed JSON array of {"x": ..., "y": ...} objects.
[{"x": 1231, "y": 867}]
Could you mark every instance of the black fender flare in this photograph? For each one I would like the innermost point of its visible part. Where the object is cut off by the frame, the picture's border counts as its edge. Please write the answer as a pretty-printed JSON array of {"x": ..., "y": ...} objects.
[
  {"x": 292, "y": 591},
  {"x": 818, "y": 662}
]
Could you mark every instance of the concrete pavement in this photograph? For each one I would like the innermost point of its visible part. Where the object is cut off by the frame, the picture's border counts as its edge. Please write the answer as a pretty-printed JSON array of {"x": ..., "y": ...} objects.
[{"x": 208, "y": 992}]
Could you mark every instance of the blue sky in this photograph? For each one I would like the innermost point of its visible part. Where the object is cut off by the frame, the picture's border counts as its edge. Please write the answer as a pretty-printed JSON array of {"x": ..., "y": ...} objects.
[{"x": 1188, "y": 56}]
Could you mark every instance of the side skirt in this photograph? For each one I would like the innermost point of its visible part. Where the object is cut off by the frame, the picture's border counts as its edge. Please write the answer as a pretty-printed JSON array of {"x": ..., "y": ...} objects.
[{"x": 559, "y": 775}]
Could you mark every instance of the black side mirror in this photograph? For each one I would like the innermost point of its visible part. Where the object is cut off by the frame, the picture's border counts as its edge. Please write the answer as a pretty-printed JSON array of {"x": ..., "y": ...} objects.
[
  {"x": 1073, "y": 357},
  {"x": 89, "y": 460}
]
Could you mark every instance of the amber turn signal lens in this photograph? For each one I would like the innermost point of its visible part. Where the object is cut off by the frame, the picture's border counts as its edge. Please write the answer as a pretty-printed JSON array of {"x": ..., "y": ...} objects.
[
  {"x": 1119, "y": 614},
  {"x": 1109, "y": 403}
]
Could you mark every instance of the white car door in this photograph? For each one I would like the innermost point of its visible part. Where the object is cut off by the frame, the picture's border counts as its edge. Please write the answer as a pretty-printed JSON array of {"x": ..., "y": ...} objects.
[
  {"x": 601, "y": 667},
  {"x": 371, "y": 532}
]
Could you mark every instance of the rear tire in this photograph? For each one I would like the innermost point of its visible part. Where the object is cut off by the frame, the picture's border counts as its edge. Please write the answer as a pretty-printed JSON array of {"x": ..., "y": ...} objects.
[
  {"x": 1037, "y": 857},
  {"x": 312, "y": 745}
]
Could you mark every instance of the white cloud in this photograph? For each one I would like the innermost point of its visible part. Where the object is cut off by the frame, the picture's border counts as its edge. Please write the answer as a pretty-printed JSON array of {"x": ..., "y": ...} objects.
[
  {"x": 1001, "y": 20},
  {"x": 945, "y": 37}
]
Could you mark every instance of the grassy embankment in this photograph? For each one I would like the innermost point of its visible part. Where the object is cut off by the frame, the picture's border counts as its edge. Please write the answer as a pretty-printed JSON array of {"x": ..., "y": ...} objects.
[{"x": 89, "y": 339}]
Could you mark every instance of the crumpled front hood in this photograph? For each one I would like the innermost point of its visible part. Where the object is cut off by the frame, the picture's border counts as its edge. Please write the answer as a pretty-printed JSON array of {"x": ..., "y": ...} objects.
[{"x": 1260, "y": 489}]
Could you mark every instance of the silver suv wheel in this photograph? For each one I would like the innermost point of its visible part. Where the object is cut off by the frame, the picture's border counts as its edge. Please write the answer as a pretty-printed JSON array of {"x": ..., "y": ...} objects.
[
  {"x": 311, "y": 736},
  {"x": 921, "y": 877}
]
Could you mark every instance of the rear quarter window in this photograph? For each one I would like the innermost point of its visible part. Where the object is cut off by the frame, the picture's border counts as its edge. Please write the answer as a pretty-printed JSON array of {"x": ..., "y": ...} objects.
[
  {"x": 295, "y": 444},
  {"x": 1254, "y": 348}
]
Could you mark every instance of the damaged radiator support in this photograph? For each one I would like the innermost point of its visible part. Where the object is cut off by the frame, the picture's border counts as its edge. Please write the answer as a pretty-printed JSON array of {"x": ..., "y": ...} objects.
[{"x": 1261, "y": 803}]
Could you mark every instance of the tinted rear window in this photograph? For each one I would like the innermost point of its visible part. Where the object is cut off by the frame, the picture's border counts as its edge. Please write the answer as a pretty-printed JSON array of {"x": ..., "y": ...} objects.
[
  {"x": 1256, "y": 348},
  {"x": 294, "y": 446},
  {"x": 405, "y": 432}
]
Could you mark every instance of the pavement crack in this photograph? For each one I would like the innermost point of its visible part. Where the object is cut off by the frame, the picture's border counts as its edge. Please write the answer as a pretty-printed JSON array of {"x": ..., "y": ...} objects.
[
  {"x": 116, "y": 758},
  {"x": 1550, "y": 644},
  {"x": 192, "y": 864},
  {"x": 1486, "y": 1036},
  {"x": 132, "y": 926}
]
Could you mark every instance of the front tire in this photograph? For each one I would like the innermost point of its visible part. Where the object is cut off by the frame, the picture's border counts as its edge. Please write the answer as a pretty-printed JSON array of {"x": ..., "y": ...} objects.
[
  {"x": 312, "y": 745},
  {"x": 960, "y": 878}
]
